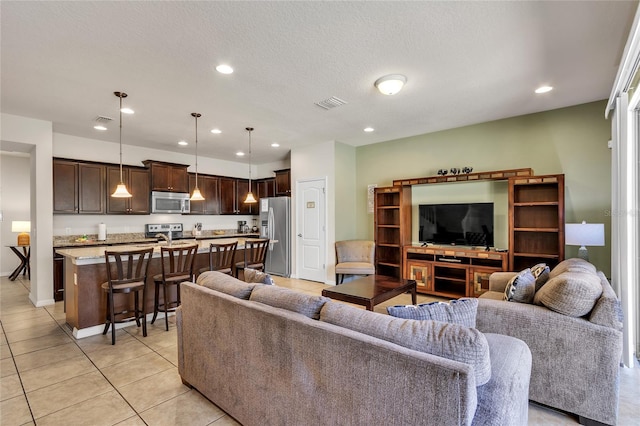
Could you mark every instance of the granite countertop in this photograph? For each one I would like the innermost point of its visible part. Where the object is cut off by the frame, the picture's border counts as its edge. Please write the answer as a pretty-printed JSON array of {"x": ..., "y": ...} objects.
[
  {"x": 95, "y": 253},
  {"x": 134, "y": 238}
]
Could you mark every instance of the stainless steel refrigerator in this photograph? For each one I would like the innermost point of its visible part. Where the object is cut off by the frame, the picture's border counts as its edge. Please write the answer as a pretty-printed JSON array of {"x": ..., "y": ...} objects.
[{"x": 275, "y": 224}]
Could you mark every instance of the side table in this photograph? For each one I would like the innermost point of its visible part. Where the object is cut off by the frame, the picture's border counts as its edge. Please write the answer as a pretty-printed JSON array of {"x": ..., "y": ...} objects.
[{"x": 25, "y": 266}]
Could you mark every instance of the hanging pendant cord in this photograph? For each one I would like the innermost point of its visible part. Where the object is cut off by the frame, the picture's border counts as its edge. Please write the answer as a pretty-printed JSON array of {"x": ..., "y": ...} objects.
[{"x": 120, "y": 96}]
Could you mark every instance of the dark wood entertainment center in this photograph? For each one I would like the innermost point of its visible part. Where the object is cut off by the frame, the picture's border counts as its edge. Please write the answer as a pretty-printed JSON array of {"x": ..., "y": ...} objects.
[{"x": 536, "y": 234}]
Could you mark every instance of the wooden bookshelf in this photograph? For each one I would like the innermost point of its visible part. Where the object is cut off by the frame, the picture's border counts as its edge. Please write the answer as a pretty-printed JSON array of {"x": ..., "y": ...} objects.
[
  {"x": 392, "y": 228},
  {"x": 536, "y": 221}
]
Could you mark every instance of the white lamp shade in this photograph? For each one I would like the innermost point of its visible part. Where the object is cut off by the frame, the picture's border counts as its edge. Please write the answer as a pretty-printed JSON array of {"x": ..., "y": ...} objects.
[
  {"x": 21, "y": 226},
  {"x": 584, "y": 234}
]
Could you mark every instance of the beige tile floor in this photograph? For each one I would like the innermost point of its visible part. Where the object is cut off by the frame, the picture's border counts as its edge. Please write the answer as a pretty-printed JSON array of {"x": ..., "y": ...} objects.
[{"x": 49, "y": 378}]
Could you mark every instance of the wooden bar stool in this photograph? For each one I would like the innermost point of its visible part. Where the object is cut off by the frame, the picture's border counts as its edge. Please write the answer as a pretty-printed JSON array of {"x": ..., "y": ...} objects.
[
  {"x": 126, "y": 273},
  {"x": 177, "y": 266},
  {"x": 221, "y": 257},
  {"x": 255, "y": 255}
]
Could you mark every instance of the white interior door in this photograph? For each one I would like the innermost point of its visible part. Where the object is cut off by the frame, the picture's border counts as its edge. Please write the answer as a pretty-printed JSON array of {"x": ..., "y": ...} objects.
[{"x": 311, "y": 237}]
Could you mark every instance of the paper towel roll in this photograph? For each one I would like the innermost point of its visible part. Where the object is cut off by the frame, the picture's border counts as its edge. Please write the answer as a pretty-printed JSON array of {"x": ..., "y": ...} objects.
[{"x": 102, "y": 232}]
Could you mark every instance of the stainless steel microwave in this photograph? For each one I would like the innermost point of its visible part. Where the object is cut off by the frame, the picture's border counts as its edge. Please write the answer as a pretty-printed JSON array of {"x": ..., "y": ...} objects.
[{"x": 170, "y": 202}]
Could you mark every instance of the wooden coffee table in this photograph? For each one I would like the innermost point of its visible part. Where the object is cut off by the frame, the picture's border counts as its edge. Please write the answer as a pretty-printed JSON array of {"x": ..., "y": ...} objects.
[{"x": 372, "y": 290}]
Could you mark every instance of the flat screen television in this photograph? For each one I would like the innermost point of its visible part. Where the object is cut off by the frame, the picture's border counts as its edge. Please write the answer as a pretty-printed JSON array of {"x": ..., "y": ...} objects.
[{"x": 467, "y": 224}]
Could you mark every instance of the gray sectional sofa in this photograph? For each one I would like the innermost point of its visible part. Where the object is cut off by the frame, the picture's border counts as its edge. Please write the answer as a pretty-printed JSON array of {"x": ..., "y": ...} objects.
[
  {"x": 574, "y": 331},
  {"x": 272, "y": 356}
]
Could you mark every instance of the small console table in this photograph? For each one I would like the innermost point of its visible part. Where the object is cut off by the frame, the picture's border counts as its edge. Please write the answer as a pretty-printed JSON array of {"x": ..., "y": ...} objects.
[
  {"x": 24, "y": 257},
  {"x": 450, "y": 271}
]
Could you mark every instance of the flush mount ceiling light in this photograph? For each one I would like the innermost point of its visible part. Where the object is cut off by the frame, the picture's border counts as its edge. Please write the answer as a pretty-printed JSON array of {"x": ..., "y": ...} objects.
[
  {"x": 196, "y": 196},
  {"x": 543, "y": 89},
  {"x": 240, "y": 154},
  {"x": 368, "y": 129},
  {"x": 390, "y": 84},
  {"x": 224, "y": 69},
  {"x": 275, "y": 145},
  {"x": 250, "y": 198},
  {"x": 99, "y": 127},
  {"x": 183, "y": 143},
  {"x": 121, "y": 190},
  {"x": 216, "y": 131}
]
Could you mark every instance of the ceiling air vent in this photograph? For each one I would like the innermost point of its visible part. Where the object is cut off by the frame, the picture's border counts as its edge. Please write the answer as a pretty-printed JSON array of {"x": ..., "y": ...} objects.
[
  {"x": 103, "y": 119},
  {"x": 332, "y": 102}
]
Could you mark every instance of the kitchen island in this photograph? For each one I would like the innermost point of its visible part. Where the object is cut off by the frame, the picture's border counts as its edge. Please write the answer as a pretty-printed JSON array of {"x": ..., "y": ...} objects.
[{"x": 85, "y": 270}]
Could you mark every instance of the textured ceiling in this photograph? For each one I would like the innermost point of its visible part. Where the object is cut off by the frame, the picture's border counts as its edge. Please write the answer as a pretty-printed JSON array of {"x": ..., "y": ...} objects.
[{"x": 466, "y": 62}]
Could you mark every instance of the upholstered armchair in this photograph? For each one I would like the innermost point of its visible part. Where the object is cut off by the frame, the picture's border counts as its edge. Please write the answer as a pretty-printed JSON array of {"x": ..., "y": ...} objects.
[{"x": 354, "y": 257}]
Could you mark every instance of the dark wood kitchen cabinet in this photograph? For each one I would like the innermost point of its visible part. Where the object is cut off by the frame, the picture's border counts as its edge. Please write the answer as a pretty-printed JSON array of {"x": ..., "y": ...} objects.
[
  {"x": 137, "y": 180},
  {"x": 168, "y": 177},
  {"x": 266, "y": 188},
  {"x": 233, "y": 191},
  {"x": 283, "y": 183},
  {"x": 209, "y": 188},
  {"x": 78, "y": 187}
]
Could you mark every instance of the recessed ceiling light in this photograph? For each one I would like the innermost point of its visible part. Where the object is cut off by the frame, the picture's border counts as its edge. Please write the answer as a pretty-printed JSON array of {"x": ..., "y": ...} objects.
[
  {"x": 216, "y": 131},
  {"x": 240, "y": 154},
  {"x": 127, "y": 111},
  {"x": 275, "y": 145},
  {"x": 183, "y": 143},
  {"x": 99, "y": 127},
  {"x": 224, "y": 69},
  {"x": 544, "y": 89},
  {"x": 369, "y": 129}
]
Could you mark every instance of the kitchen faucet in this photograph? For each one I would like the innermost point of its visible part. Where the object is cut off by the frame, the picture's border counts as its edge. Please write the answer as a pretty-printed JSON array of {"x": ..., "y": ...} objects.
[{"x": 167, "y": 237}]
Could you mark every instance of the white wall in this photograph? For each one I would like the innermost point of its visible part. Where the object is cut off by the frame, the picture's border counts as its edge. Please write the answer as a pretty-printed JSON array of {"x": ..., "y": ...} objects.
[
  {"x": 36, "y": 137},
  {"x": 315, "y": 162},
  {"x": 15, "y": 182}
]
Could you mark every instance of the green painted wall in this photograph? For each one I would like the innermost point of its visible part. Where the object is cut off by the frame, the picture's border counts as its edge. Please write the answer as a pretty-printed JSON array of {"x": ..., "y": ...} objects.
[
  {"x": 345, "y": 204},
  {"x": 569, "y": 140}
]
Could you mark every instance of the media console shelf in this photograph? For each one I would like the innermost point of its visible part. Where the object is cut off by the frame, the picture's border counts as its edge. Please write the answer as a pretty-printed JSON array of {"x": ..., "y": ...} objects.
[
  {"x": 450, "y": 271},
  {"x": 465, "y": 177}
]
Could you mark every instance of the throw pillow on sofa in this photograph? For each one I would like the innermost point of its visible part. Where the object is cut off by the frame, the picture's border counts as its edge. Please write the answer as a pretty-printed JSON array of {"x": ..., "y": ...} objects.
[
  {"x": 521, "y": 288},
  {"x": 571, "y": 293},
  {"x": 288, "y": 299},
  {"x": 255, "y": 276},
  {"x": 225, "y": 284},
  {"x": 574, "y": 264},
  {"x": 541, "y": 274},
  {"x": 461, "y": 311}
]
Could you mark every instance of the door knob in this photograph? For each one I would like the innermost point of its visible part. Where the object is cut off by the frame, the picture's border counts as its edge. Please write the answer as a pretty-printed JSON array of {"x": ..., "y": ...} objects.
[{"x": 299, "y": 235}]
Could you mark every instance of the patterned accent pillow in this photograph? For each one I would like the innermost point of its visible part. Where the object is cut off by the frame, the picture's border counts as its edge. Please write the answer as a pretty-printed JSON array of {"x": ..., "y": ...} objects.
[
  {"x": 521, "y": 288},
  {"x": 541, "y": 274},
  {"x": 461, "y": 311},
  {"x": 255, "y": 276}
]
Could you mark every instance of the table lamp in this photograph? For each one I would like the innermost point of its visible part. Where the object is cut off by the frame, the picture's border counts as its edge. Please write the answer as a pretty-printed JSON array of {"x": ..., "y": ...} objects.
[
  {"x": 23, "y": 227},
  {"x": 584, "y": 234}
]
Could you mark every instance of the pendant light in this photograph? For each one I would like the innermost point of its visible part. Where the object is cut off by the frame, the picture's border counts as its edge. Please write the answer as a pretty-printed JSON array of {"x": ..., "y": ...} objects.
[
  {"x": 250, "y": 198},
  {"x": 121, "y": 190},
  {"x": 196, "y": 196}
]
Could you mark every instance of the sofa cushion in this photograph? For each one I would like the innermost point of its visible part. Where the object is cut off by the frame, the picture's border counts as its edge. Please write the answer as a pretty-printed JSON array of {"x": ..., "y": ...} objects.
[
  {"x": 255, "y": 276},
  {"x": 541, "y": 274},
  {"x": 461, "y": 311},
  {"x": 521, "y": 287},
  {"x": 574, "y": 264},
  {"x": 570, "y": 293},
  {"x": 225, "y": 284},
  {"x": 451, "y": 341},
  {"x": 290, "y": 300}
]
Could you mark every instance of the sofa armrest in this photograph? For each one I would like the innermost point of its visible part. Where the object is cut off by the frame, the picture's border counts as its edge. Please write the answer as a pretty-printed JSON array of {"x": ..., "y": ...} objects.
[
  {"x": 498, "y": 280},
  {"x": 575, "y": 362}
]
